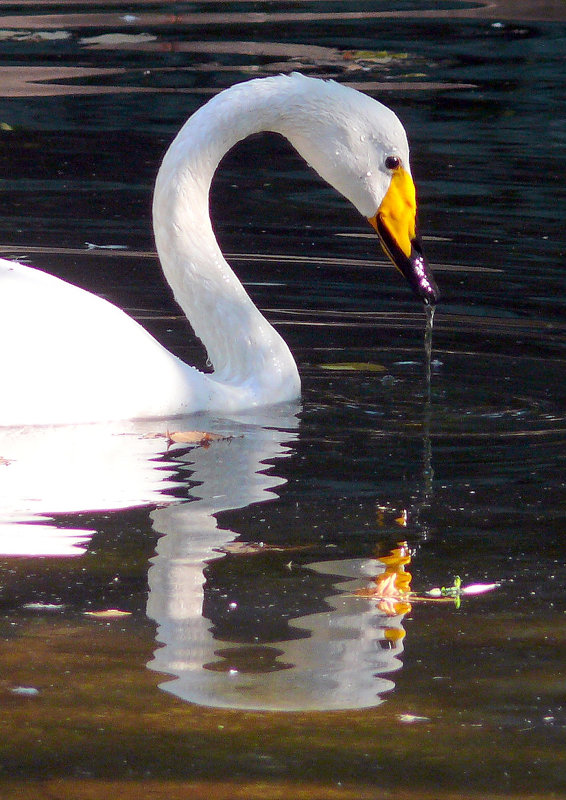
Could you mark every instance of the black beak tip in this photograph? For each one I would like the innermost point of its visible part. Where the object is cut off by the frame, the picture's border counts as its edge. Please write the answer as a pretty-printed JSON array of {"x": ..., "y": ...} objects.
[
  {"x": 413, "y": 267},
  {"x": 430, "y": 293},
  {"x": 420, "y": 278}
]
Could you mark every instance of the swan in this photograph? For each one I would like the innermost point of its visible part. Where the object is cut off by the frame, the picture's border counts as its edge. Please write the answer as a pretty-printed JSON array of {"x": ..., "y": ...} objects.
[{"x": 71, "y": 357}]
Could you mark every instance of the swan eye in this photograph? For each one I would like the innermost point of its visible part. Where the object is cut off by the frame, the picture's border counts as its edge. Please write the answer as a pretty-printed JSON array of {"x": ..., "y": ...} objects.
[{"x": 392, "y": 162}]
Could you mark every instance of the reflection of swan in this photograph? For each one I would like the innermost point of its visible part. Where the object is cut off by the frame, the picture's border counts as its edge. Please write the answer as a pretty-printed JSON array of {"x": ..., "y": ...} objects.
[
  {"x": 340, "y": 657},
  {"x": 66, "y": 469},
  {"x": 335, "y": 651},
  {"x": 334, "y": 659},
  {"x": 72, "y": 357}
]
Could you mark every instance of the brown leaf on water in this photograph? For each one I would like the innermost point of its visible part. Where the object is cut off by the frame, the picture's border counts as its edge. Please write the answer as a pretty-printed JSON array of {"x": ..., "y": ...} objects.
[
  {"x": 199, "y": 438},
  {"x": 373, "y": 56},
  {"x": 354, "y": 366},
  {"x": 252, "y": 548},
  {"x": 109, "y": 613},
  {"x": 392, "y": 587},
  {"x": 195, "y": 437}
]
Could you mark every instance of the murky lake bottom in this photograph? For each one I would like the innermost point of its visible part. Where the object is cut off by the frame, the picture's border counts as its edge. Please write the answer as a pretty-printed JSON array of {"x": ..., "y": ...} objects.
[{"x": 279, "y": 613}]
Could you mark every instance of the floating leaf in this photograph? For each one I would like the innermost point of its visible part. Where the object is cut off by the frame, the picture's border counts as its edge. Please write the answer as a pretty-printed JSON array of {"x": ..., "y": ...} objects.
[
  {"x": 354, "y": 366},
  {"x": 199, "y": 438},
  {"x": 456, "y": 591},
  {"x": 392, "y": 587},
  {"x": 375, "y": 56},
  {"x": 110, "y": 613},
  {"x": 252, "y": 548},
  {"x": 195, "y": 437}
]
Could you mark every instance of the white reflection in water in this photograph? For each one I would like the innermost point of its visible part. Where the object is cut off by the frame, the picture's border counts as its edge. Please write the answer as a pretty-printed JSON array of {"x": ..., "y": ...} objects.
[
  {"x": 46, "y": 471},
  {"x": 340, "y": 664},
  {"x": 33, "y": 539},
  {"x": 337, "y": 658},
  {"x": 342, "y": 654}
]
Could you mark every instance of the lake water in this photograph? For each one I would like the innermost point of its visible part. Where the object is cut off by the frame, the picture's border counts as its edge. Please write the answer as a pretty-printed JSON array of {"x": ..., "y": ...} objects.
[{"x": 263, "y": 648}]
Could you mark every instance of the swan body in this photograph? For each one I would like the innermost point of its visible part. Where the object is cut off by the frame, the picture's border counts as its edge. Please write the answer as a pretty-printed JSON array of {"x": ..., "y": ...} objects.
[{"x": 69, "y": 356}]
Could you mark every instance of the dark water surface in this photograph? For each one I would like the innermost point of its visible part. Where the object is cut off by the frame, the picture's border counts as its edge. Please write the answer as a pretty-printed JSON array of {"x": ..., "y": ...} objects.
[{"x": 248, "y": 664}]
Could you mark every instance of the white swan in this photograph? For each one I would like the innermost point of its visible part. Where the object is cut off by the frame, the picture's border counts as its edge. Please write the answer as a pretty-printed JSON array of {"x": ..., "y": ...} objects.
[{"x": 68, "y": 356}]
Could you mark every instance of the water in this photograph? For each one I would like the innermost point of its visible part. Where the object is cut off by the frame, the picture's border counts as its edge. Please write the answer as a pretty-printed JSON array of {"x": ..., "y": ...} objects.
[{"x": 240, "y": 564}]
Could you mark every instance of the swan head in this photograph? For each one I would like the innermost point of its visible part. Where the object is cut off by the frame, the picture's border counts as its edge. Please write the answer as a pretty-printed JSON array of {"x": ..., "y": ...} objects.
[
  {"x": 360, "y": 147},
  {"x": 396, "y": 225}
]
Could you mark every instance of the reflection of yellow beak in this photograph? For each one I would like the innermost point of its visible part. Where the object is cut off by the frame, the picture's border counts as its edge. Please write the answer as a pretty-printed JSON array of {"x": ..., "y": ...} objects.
[{"x": 396, "y": 226}]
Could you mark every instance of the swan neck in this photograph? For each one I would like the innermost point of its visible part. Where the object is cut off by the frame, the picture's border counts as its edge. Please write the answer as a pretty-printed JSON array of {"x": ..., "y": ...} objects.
[{"x": 241, "y": 345}]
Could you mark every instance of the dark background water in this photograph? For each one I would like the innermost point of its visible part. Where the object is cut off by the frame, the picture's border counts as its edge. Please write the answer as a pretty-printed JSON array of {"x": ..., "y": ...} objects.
[{"x": 477, "y": 708}]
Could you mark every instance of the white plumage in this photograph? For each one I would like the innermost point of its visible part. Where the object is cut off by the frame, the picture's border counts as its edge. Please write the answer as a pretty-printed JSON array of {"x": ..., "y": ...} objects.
[{"x": 70, "y": 357}]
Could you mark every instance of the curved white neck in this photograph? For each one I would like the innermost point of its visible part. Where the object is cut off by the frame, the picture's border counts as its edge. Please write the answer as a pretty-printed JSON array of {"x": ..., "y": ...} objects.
[{"x": 241, "y": 344}]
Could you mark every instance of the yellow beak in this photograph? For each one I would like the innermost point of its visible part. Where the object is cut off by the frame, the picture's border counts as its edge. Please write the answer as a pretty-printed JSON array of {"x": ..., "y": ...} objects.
[{"x": 396, "y": 226}]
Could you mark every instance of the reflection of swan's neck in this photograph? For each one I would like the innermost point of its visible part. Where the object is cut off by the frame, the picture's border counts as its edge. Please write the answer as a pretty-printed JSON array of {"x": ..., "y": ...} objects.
[
  {"x": 428, "y": 472},
  {"x": 241, "y": 344}
]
